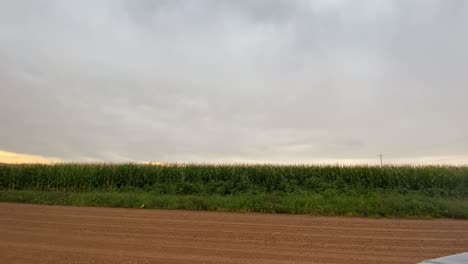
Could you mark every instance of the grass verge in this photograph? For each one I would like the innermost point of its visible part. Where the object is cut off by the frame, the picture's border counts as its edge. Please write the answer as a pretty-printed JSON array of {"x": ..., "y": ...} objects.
[{"x": 375, "y": 204}]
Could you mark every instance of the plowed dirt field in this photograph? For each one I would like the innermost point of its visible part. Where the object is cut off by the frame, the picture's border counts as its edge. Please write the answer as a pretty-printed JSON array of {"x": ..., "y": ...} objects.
[{"x": 37, "y": 234}]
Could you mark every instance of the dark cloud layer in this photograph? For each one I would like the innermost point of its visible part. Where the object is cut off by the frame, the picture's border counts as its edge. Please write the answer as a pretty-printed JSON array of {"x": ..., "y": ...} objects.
[{"x": 291, "y": 81}]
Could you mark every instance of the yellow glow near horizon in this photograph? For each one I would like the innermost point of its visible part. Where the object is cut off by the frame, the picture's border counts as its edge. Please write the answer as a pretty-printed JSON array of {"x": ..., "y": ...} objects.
[
  {"x": 18, "y": 158},
  {"x": 15, "y": 158}
]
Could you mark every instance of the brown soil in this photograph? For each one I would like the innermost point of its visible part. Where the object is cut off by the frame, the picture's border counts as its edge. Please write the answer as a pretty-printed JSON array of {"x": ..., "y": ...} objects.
[{"x": 57, "y": 234}]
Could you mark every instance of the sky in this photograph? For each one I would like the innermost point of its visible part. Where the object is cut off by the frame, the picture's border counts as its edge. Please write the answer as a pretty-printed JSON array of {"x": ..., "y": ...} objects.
[{"x": 234, "y": 81}]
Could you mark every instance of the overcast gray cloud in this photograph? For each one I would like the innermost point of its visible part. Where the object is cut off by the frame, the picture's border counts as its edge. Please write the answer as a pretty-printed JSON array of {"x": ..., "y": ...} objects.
[{"x": 278, "y": 81}]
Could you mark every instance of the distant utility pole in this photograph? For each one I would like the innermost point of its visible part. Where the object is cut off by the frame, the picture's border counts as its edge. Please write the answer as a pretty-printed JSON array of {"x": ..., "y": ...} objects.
[{"x": 381, "y": 159}]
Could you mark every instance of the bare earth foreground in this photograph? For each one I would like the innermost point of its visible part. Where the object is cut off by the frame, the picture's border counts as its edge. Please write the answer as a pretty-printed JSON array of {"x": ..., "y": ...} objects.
[{"x": 58, "y": 234}]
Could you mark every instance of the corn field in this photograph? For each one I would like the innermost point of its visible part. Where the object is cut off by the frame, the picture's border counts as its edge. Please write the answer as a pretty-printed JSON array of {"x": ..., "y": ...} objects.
[{"x": 233, "y": 179}]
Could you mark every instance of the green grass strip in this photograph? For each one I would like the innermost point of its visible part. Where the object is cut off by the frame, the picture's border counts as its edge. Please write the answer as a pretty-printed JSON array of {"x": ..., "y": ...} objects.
[{"x": 387, "y": 204}]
